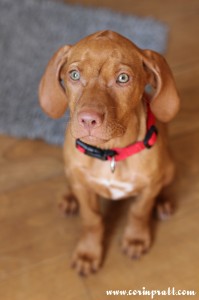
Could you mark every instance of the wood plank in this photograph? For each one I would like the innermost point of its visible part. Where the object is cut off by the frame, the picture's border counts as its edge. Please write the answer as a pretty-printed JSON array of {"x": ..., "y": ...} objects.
[
  {"x": 37, "y": 244},
  {"x": 25, "y": 161}
]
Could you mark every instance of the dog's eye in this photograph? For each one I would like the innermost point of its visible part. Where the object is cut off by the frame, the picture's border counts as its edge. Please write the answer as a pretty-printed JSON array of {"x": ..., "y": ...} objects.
[
  {"x": 123, "y": 78},
  {"x": 74, "y": 75}
]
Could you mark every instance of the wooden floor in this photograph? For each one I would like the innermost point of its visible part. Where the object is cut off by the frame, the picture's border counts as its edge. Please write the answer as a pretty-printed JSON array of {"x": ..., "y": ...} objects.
[{"x": 37, "y": 241}]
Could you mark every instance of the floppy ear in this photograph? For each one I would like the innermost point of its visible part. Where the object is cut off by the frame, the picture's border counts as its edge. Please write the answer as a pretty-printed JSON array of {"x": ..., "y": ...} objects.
[
  {"x": 51, "y": 93},
  {"x": 165, "y": 102}
]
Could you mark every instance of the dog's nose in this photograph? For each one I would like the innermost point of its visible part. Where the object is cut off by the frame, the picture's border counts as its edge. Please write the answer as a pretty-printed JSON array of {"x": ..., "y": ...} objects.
[{"x": 90, "y": 119}]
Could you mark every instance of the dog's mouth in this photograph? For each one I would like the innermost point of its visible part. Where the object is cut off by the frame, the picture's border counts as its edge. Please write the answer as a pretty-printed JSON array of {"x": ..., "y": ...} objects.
[{"x": 93, "y": 140}]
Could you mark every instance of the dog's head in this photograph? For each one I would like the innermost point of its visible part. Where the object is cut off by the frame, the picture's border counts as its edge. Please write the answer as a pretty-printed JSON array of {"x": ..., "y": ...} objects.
[{"x": 102, "y": 79}]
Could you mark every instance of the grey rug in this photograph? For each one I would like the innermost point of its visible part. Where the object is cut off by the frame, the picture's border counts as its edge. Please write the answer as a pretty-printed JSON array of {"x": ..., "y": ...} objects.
[{"x": 30, "y": 31}]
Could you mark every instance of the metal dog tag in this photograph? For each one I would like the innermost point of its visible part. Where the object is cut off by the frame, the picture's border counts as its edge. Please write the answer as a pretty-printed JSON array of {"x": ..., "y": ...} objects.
[{"x": 113, "y": 164}]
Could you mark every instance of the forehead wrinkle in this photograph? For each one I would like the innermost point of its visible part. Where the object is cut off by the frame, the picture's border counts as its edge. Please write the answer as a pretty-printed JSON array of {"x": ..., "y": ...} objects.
[
  {"x": 92, "y": 61},
  {"x": 94, "y": 55},
  {"x": 97, "y": 50}
]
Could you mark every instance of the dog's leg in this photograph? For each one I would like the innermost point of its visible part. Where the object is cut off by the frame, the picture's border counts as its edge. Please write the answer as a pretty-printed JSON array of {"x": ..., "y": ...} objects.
[
  {"x": 88, "y": 254},
  {"x": 137, "y": 235}
]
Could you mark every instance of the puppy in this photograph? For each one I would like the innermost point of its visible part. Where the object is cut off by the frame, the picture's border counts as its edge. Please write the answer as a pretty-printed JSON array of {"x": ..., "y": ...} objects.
[{"x": 116, "y": 142}]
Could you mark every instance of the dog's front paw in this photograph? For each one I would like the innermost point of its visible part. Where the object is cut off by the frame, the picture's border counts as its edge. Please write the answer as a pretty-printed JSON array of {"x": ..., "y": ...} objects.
[
  {"x": 87, "y": 258},
  {"x": 68, "y": 205},
  {"x": 135, "y": 244}
]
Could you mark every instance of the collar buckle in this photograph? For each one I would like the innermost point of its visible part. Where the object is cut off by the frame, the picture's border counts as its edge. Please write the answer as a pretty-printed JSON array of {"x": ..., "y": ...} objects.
[
  {"x": 150, "y": 137},
  {"x": 103, "y": 154}
]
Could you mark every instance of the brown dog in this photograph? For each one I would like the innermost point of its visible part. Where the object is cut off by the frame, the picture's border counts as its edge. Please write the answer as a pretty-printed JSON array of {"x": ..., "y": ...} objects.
[{"x": 102, "y": 79}]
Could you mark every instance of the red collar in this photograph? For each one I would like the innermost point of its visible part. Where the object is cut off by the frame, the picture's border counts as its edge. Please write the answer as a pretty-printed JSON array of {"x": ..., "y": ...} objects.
[{"x": 117, "y": 154}]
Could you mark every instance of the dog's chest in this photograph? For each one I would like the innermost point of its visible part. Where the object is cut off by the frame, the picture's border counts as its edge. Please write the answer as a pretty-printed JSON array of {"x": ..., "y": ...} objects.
[{"x": 113, "y": 187}]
